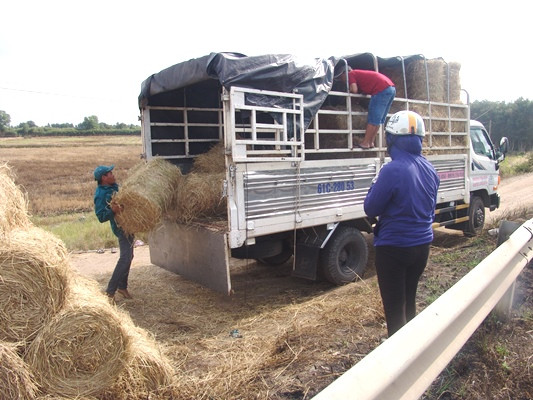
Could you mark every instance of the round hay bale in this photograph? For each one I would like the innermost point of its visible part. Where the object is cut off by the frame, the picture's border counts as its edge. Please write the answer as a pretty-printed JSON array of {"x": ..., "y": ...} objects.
[
  {"x": 82, "y": 350},
  {"x": 146, "y": 194},
  {"x": 199, "y": 195},
  {"x": 211, "y": 162},
  {"x": 148, "y": 373},
  {"x": 13, "y": 202},
  {"x": 34, "y": 277},
  {"x": 395, "y": 74},
  {"x": 15, "y": 378}
]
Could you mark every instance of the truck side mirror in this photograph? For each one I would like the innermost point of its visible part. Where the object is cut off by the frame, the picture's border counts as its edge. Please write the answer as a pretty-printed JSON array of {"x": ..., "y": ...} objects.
[{"x": 504, "y": 148}]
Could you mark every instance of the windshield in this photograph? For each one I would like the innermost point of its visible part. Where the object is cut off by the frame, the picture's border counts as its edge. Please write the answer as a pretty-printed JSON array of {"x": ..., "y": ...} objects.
[{"x": 481, "y": 143}]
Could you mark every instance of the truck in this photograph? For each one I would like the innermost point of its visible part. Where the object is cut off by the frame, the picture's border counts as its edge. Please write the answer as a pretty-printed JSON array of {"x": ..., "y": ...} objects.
[{"x": 294, "y": 181}]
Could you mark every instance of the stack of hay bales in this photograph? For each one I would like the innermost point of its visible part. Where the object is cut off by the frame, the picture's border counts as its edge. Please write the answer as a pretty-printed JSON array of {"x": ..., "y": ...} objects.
[{"x": 59, "y": 336}]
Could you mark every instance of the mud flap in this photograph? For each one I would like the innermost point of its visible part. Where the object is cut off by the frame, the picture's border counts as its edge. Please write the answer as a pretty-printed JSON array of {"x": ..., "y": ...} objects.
[{"x": 198, "y": 253}]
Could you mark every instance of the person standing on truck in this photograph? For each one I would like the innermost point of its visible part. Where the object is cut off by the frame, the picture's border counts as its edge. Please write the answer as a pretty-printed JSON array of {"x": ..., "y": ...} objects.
[
  {"x": 403, "y": 198},
  {"x": 382, "y": 92},
  {"x": 106, "y": 211}
]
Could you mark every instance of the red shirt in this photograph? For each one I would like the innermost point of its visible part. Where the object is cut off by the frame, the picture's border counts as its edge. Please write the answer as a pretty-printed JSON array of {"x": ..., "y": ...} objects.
[{"x": 369, "y": 82}]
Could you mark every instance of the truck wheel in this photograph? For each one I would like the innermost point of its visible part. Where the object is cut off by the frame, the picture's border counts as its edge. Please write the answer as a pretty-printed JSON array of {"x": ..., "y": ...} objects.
[
  {"x": 344, "y": 258},
  {"x": 476, "y": 213}
]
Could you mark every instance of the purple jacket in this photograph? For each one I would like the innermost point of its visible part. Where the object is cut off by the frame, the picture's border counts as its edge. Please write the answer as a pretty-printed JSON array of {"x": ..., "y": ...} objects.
[{"x": 404, "y": 195}]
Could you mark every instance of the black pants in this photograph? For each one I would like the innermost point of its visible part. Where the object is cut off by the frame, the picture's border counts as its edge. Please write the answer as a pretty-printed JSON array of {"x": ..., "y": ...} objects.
[{"x": 399, "y": 269}]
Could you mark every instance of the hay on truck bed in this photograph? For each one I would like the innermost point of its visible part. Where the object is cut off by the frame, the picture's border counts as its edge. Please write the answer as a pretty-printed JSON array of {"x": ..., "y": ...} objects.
[
  {"x": 146, "y": 195},
  {"x": 34, "y": 276}
]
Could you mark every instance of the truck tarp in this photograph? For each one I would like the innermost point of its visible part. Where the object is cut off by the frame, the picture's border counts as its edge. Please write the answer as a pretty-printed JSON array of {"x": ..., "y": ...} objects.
[{"x": 312, "y": 78}]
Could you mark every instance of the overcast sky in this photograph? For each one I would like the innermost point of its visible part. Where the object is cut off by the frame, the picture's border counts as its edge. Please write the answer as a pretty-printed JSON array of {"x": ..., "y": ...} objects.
[{"x": 61, "y": 61}]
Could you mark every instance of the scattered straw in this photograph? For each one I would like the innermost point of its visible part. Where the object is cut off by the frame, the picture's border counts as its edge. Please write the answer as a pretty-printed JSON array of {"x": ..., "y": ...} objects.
[
  {"x": 34, "y": 275},
  {"x": 13, "y": 202},
  {"x": 145, "y": 195},
  {"x": 15, "y": 378}
]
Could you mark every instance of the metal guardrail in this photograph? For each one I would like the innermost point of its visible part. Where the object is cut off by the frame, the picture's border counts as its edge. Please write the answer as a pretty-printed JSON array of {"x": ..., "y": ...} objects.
[{"x": 406, "y": 364}]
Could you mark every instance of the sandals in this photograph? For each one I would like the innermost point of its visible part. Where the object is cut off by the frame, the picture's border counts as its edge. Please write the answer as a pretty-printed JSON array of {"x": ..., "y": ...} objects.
[{"x": 364, "y": 147}]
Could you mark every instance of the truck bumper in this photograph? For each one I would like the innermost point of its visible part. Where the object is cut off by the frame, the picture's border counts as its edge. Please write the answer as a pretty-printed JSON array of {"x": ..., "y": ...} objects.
[{"x": 494, "y": 201}]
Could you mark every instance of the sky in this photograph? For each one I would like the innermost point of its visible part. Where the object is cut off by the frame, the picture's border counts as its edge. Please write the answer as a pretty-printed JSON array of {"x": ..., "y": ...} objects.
[{"x": 64, "y": 60}]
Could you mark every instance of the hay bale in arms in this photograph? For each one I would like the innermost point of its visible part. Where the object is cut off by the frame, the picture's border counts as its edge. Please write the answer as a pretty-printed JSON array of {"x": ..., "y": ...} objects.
[
  {"x": 16, "y": 380},
  {"x": 147, "y": 375},
  {"x": 34, "y": 277},
  {"x": 13, "y": 202},
  {"x": 83, "y": 349},
  {"x": 146, "y": 195}
]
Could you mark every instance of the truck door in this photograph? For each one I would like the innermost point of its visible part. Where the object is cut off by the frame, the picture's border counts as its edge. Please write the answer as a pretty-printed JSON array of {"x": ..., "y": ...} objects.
[{"x": 484, "y": 166}]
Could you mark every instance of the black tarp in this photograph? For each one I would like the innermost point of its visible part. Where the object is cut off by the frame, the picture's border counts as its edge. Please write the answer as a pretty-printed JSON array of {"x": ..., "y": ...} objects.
[{"x": 312, "y": 78}]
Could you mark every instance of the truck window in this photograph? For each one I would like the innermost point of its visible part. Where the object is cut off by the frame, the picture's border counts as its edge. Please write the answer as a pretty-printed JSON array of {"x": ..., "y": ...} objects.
[{"x": 481, "y": 143}]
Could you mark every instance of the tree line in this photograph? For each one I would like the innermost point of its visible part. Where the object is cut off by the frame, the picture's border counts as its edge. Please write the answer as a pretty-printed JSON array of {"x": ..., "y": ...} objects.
[
  {"x": 89, "y": 126},
  {"x": 513, "y": 120}
]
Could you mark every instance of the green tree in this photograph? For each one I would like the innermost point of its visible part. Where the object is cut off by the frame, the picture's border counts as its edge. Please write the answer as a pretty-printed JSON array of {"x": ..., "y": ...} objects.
[
  {"x": 89, "y": 123},
  {"x": 5, "y": 120}
]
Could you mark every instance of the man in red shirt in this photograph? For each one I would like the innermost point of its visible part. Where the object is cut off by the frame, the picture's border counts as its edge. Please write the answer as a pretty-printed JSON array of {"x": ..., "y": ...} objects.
[{"x": 382, "y": 92}]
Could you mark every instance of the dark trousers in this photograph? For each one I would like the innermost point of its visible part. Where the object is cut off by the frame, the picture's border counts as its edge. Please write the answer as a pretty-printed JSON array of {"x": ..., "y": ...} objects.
[
  {"x": 119, "y": 279},
  {"x": 398, "y": 270}
]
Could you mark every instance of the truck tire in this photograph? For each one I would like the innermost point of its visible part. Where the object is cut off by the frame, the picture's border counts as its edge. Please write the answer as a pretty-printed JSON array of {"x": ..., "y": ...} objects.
[
  {"x": 345, "y": 256},
  {"x": 476, "y": 213}
]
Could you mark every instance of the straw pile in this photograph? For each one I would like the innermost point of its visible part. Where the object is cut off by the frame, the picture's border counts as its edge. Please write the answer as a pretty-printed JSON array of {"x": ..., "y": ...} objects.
[
  {"x": 83, "y": 349},
  {"x": 145, "y": 195},
  {"x": 34, "y": 275},
  {"x": 16, "y": 380},
  {"x": 417, "y": 81},
  {"x": 13, "y": 202}
]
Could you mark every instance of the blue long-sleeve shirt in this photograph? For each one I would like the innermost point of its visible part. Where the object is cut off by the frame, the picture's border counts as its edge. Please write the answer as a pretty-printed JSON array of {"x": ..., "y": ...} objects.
[
  {"x": 404, "y": 196},
  {"x": 102, "y": 197}
]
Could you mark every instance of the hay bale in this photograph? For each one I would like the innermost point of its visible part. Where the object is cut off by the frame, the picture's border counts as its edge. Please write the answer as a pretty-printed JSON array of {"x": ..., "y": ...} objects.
[
  {"x": 211, "y": 162},
  {"x": 148, "y": 373},
  {"x": 146, "y": 195},
  {"x": 417, "y": 80},
  {"x": 16, "y": 380},
  {"x": 34, "y": 276},
  {"x": 395, "y": 74},
  {"x": 199, "y": 195},
  {"x": 83, "y": 349},
  {"x": 13, "y": 202},
  {"x": 455, "y": 82}
]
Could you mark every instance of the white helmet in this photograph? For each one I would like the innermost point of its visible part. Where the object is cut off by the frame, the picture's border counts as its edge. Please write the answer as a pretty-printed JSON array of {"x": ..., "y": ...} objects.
[{"x": 406, "y": 123}]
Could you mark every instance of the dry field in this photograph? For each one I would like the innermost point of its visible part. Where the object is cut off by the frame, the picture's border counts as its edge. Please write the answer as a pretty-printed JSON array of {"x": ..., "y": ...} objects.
[
  {"x": 57, "y": 173},
  {"x": 278, "y": 337}
]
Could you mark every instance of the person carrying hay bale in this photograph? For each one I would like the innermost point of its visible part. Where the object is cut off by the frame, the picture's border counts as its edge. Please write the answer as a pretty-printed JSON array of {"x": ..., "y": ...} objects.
[
  {"x": 382, "y": 91},
  {"x": 106, "y": 211}
]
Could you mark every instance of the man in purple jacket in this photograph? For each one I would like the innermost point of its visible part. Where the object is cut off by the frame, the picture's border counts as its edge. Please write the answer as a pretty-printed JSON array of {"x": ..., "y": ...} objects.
[{"x": 403, "y": 197}]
